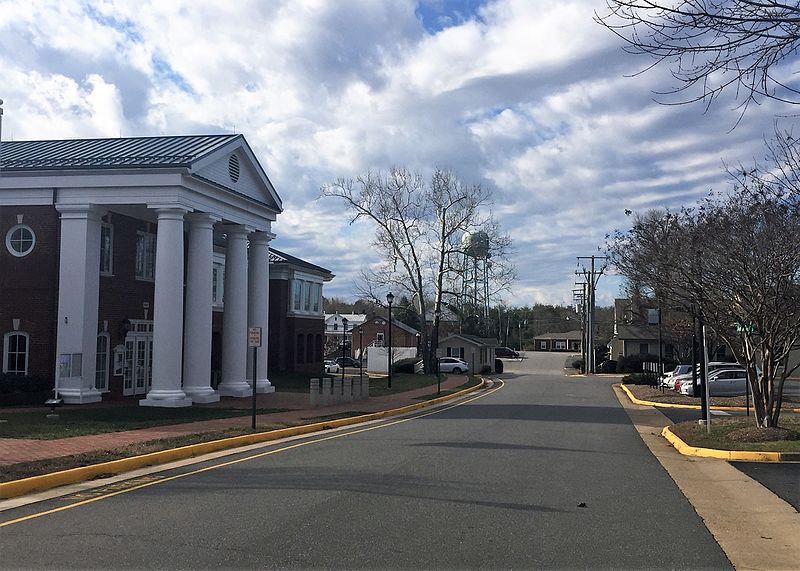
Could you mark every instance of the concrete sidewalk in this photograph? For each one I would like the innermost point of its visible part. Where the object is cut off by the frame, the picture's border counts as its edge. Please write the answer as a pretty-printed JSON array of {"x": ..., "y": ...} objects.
[{"x": 15, "y": 450}]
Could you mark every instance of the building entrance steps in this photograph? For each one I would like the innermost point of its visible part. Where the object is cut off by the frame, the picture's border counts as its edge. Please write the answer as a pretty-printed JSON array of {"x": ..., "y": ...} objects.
[{"x": 16, "y": 450}]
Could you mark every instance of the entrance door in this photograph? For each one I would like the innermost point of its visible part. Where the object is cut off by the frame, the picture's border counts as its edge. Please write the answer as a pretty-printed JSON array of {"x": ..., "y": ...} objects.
[{"x": 138, "y": 369}]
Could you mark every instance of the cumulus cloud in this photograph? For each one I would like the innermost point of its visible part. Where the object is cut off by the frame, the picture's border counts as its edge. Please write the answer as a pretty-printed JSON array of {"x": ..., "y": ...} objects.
[{"x": 533, "y": 99}]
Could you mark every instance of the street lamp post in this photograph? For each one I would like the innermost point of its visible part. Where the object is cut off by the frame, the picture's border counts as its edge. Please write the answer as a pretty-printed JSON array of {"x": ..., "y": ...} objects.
[
  {"x": 519, "y": 332},
  {"x": 389, "y": 300},
  {"x": 344, "y": 342},
  {"x": 436, "y": 314},
  {"x": 361, "y": 352}
]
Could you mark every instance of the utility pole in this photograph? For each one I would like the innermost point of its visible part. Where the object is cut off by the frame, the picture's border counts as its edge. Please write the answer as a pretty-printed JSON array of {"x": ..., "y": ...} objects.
[
  {"x": 592, "y": 277},
  {"x": 579, "y": 297}
]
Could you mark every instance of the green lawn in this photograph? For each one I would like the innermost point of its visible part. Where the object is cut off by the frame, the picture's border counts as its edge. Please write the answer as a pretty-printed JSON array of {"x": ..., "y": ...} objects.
[
  {"x": 98, "y": 420},
  {"x": 695, "y": 434}
]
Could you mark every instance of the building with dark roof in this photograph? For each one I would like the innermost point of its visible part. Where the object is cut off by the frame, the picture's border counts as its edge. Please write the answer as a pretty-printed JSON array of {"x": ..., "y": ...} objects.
[
  {"x": 561, "y": 341},
  {"x": 117, "y": 255}
]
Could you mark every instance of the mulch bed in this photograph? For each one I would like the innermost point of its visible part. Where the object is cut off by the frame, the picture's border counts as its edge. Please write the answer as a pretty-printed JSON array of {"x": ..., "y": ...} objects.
[{"x": 646, "y": 392}]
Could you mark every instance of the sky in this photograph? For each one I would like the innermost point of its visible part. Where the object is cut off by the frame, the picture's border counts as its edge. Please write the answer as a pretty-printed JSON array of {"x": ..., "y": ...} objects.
[{"x": 530, "y": 98}]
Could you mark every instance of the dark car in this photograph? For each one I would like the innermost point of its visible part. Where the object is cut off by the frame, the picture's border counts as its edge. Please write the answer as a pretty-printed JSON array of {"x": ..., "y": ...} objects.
[
  {"x": 506, "y": 352},
  {"x": 346, "y": 362}
]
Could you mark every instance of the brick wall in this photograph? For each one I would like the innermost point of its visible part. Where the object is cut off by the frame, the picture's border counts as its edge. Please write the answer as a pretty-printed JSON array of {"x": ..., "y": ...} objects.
[{"x": 28, "y": 285}]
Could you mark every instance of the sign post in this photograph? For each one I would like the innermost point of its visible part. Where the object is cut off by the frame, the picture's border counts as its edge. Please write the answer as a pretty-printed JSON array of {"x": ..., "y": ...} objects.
[{"x": 254, "y": 341}]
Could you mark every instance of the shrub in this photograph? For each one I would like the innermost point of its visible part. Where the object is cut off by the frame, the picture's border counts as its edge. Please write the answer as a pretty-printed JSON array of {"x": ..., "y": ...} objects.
[
  {"x": 638, "y": 379},
  {"x": 405, "y": 365},
  {"x": 24, "y": 389},
  {"x": 578, "y": 364}
]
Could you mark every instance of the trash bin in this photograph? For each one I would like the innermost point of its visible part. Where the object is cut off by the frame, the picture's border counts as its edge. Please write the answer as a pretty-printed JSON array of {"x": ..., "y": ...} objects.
[{"x": 498, "y": 366}]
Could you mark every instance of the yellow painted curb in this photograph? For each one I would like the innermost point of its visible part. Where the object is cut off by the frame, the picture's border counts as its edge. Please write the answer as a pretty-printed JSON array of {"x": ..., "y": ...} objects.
[
  {"x": 635, "y": 400},
  {"x": 74, "y": 475},
  {"x": 740, "y": 455}
]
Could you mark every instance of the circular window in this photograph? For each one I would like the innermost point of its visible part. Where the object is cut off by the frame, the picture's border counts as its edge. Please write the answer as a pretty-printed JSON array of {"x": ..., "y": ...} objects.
[
  {"x": 233, "y": 168},
  {"x": 20, "y": 240}
]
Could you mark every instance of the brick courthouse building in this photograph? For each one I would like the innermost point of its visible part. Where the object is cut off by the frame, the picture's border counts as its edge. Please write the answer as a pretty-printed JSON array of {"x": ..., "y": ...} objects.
[{"x": 116, "y": 257}]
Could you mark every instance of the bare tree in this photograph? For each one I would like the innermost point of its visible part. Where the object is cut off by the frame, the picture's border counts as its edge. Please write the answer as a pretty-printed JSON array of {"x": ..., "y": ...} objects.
[
  {"x": 713, "y": 44},
  {"x": 419, "y": 225},
  {"x": 736, "y": 260}
]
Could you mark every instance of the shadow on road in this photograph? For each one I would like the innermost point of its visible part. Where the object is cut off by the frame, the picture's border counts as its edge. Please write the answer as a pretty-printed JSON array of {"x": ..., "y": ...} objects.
[
  {"x": 506, "y": 446},
  {"x": 538, "y": 412}
]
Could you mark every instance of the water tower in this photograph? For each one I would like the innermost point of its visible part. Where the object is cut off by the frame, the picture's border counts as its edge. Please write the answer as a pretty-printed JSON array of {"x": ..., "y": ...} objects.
[{"x": 475, "y": 279}]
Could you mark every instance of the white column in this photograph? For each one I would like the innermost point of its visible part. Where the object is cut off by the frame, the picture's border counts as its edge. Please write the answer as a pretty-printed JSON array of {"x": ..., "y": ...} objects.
[
  {"x": 199, "y": 291},
  {"x": 168, "y": 313},
  {"x": 234, "y": 319},
  {"x": 78, "y": 300},
  {"x": 258, "y": 306}
]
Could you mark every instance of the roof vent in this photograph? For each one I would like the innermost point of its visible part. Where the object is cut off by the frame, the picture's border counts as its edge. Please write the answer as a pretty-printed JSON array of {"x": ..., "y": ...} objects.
[{"x": 233, "y": 168}]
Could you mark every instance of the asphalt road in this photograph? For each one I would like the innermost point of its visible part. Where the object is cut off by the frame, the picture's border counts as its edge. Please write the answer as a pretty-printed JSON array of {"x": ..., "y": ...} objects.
[{"x": 546, "y": 472}]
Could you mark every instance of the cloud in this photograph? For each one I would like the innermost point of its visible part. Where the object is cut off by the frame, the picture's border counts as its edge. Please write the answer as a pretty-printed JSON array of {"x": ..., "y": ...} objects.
[{"x": 532, "y": 99}]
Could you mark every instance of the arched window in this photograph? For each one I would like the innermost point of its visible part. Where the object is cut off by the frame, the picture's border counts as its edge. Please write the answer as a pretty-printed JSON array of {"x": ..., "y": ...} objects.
[
  {"x": 300, "y": 353},
  {"x": 309, "y": 348},
  {"x": 16, "y": 346}
]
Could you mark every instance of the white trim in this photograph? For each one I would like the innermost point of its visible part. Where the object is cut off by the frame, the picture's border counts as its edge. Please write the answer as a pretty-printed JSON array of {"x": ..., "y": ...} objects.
[
  {"x": 14, "y": 252},
  {"x": 108, "y": 357},
  {"x": 6, "y": 337}
]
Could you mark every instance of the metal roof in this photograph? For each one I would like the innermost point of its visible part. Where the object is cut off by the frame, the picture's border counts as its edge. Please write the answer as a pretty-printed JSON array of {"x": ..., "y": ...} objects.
[
  {"x": 173, "y": 151},
  {"x": 279, "y": 257}
]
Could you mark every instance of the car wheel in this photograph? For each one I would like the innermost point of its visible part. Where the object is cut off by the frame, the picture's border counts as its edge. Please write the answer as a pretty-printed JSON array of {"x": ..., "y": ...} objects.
[{"x": 456, "y": 371}]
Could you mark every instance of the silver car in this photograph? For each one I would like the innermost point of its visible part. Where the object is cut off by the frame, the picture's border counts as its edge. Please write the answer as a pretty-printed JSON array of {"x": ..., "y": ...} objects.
[{"x": 722, "y": 383}]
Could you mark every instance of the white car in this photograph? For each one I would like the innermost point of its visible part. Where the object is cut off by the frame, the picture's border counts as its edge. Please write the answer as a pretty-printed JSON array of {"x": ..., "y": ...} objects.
[
  {"x": 452, "y": 365},
  {"x": 668, "y": 380},
  {"x": 331, "y": 366}
]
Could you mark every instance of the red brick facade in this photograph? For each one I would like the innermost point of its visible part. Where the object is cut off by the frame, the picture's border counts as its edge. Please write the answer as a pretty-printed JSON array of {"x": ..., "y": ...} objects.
[{"x": 29, "y": 292}]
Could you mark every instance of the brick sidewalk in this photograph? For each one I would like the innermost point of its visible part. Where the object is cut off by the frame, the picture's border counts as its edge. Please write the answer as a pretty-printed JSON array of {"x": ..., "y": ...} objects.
[{"x": 14, "y": 450}]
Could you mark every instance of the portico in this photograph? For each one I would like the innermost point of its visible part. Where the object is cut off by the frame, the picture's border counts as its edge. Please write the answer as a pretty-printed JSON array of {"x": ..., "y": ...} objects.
[{"x": 185, "y": 191}]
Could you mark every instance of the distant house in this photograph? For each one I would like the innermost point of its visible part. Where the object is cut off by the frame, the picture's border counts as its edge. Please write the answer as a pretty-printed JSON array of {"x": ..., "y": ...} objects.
[
  {"x": 563, "y": 341},
  {"x": 477, "y": 351},
  {"x": 636, "y": 340},
  {"x": 374, "y": 332},
  {"x": 335, "y": 328}
]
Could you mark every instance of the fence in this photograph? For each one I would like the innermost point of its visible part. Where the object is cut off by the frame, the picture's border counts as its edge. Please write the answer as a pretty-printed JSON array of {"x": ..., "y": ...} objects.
[{"x": 335, "y": 390}]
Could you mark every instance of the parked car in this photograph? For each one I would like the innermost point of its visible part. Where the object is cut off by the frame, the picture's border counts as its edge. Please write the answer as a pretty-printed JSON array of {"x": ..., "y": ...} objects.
[
  {"x": 505, "y": 352},
  {"x": 722, "y": 383},
  {"x": 331, "y": 366},
  {"x": 668, "y": 380},
  {"x": 452, "y": 365},
  {"x": 346, "y": 362},
  {"x": 678, "y": 380}
]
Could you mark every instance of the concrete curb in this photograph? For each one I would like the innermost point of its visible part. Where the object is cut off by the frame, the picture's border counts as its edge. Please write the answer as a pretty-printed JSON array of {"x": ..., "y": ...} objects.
[
  {"x": 688, "y": 406},
  {"x": 74, "y": 475},
  {"x": 735, "y": 455}
]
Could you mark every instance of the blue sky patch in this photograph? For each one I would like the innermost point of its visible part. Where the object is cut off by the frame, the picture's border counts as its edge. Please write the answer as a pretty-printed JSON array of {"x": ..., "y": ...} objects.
[
  {"x": 437, "y": 15},
  {"x": 163, "y": 70}
]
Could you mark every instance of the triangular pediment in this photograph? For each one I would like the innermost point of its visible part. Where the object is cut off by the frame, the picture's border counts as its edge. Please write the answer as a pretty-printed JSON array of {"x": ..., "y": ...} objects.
[{"x": 235, "y": 167}]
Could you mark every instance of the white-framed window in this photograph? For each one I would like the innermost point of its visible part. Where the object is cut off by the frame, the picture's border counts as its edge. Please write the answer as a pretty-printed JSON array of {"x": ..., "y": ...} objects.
[
  {"x": 16, "y": 347},
  {"x": 561, "y": 344},
  {"x": 218, "y": 283},
  {"x": 298, "y": 294},
  {"x": 145, "y": 256},
  {"x": 106, "y": 249},
  {"x": 542, "y": 344},
  {"x": 20, "y": 240},
  {"x": 307, "y": 291},
  {"x": 379, "y": 339},
  {"x": 102, "y": 362},
  {"x": 316, "y": 297}
]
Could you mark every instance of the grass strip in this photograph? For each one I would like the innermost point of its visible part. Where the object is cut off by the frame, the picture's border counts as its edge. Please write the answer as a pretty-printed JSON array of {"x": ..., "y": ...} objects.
[{"x": 733, "y": 433}]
